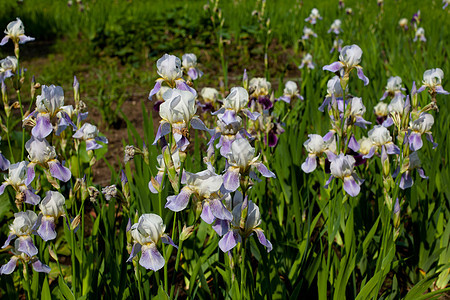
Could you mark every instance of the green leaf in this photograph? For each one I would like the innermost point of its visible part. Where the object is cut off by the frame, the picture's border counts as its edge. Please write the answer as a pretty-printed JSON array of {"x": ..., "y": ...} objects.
[{"x": 65, "y": 290}]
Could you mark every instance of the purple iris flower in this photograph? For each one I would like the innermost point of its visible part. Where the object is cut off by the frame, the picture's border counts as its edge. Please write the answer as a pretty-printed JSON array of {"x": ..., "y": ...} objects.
[
  {"x": 406, "y": 181},
  {"x": 419, "y": 127},
  {"x": 433, "y": 80},
  {"x": 342, "y": 167},
  {"x": 16, "y": 32},
  {"x": 146, "y": 233},
  {"x": 16, "y": 178},
  {"x": 52, "y": 207},
  {"x": 23, "y": 226},
  {"x": 20, "y": 255}
]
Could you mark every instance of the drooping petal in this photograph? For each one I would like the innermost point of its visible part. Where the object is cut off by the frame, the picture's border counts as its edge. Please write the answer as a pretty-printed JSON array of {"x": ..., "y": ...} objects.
[
  {"x": 59, "y": 171},
  {"x": 388, "y": 122},
  {"x": 198, "y": 124},
  {"x": 229, "y": 241},
  {"x": 31, "y": 198},
  {"x": 361, "y": 122},
  {"x": 310, "y": 163},
  {"x": 155, "y": 89},
  {"x": 371, "y": 152},
  {"x": 193, "y": 73},
  {"x": 26, "y": 246},
  {"x": 231, "y": 179},
  {"x": 4, "y": 163},
  {"x": 421, "y": 89},
  {"x": 384, "y": 96},
  {"x": 440, "y": 90},
  {"x": 38, "y": 266},
  {"x": 265, "y": 171},
  {"x": 362, "y": 76},
  {"x": 262, "y": 239},
  {"x": 353, "y": 144},
  {"x": 47, "y": 229},
  {"x": 422, "y": 173},
  {"x": 221, "y": 226},
  {"x": 285, "y": 98},
  {"x": 328, "y": 182},
  {"x": 351, "y": 186},
  {"x": 4, "y": 40},
  {"x": 430, "y": 138},
  {"x": 2, "y": 188},
  {"x": 182, "y": 85},
  {"x": 226, "y": 146},
  {"x": 219, "y": 210},
  {"x": 42, "y": 128},
  {"x": 251, "y": 115},
  {"x": 334, "y": 67},
  {"x": 207, "y": 214},
  {"x": 23, "y": 39},
  {"x": 180, "y": 201},
  {"x": 229, "y": 117},
  {"x": 30, "y": 174},
  {"x": 9, "y": 267},
  {"x": 151, "y": 259},
  {"x": 91, "y": 144},
  {"x": 167, "y": 240},
  {"x": 415, "y": 141},
  {"x": 134, "y": 251},
  {"x": 181, "y": 141},
  {"x": 163, "y": 130},
  {"x": 8, "y": 240},
  {"x": 406, "y": 181}
]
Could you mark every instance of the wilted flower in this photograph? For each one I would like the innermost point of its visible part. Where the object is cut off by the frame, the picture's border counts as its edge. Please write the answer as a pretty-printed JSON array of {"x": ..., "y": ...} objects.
[
  {"x": 335, "y": 27},
  {"x": 177, "y": 113},
  {"x": 109, "y": 191},
  {"x": 89, "y": 133},
  {"x": 307, "y": 33},
  {"x": 146, "y": 234},
  {"x": 290, "y": 91},
  {"x": 433, "y": 80},
  {"x": 11, "y": 265},
  {"x": 381, "y": 138},
  {"x": 17, "y": 179},
  {"x": 240, "y": 160},
  {"x": 190, "y": 66},
  {"x": 307, "y": 61},
  {"x": 41, "y": 153},
  {"x": 419, "y": 127},
  {"x": 313, "y": 16},
  {"x": 169, "y": 68},
  {"x": 393, "y": 88},
  {"x": 420, "y": 34},
  {"x": 342, "y": 167},
  {"x": 349, "y": 58},
  {"x": 252, "y": 222},
  {"x": 22, "y": 227},
  {"x": 50, "y": 104},
  {"x": 403, "y": 23},
  {"x": 16, "y": 32},
  {"x": 315, "y": 145},
  {"x": 52, "y": 207},
  {"x": 235, "y": 102}
]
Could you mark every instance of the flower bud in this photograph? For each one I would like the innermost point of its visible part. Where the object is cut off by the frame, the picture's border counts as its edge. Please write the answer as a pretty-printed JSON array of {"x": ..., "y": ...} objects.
[{"x": 186, "y": 232}]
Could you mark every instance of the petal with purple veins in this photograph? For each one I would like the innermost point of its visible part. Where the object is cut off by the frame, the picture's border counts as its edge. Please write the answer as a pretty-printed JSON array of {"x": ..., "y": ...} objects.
[
  {"x": 229, "y": 241},
  {"x": 47, "y": 229},
  {"x": 4, "y": 163},
  {"x": 422, "y": 173},
  {"x": 193, "y": 73},
  {"x": 8, "y": 240},
  {"x": 334, "y": 67},
  {"x": 264, "y": 171},
  {"x": 219, "y": 210},
  {"x": 31, "y": 198},
  {"x": 231, "y": 179},
  {"x": 221, "y": 226},
  {"x": 206, "y": 214},
  {"x": 38, "y": 266},
  {"x": 134, "y": 251},
  {"x": 406, "y": 181},
  {"x": 415, "y": 141},
  {"x": 310, "y": 164},
  {"x": 151, "y": 259},
  {"x": 155, "y": 89},
  {"x": 163, "y": 129},
  {"x": 388, "y": 122},
  {"x": 328, "y": 182},
  {"x": 59, "y": 171},
  {"x": 353, "y": 144},
  {"x": 167, "y": 240},
  {"x": 371, "y": 152},
  {"x": 421, "y": 89},
  {"x": 91, "y": 144},
  {"x": 251, "y": 115},
  {"x": 26, "y": 246},
  {"x": 362, "y": 76},
  {"x": 180, "y": 201},
  {"x": 430, "y": 138},
  {"x": 9, "y": 267},
  {"x": 285, "y": 98},
  {"x": 4, "y": 40},
  {"x": 42, "y": 128},
  {"x": 2, "y": 188},
  {"x": 440, "y": 90},
  {"x": 351, "y": 186}
]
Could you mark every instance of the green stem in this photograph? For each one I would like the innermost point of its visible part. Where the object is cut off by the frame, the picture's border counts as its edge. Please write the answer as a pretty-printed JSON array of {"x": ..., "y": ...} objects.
[
  {"x": 243, "y": 275},
  {"x": 23, "y": 129}
]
